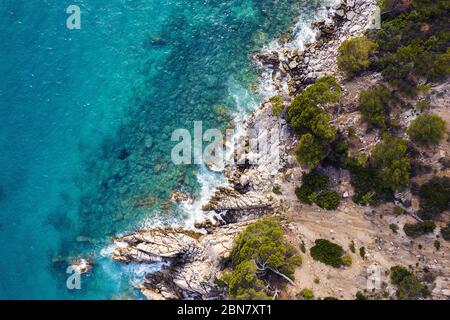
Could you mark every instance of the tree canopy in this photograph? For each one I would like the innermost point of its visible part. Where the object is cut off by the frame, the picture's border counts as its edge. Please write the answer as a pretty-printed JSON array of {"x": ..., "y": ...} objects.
[
  {"x": 427, "y": 129},
  {"x": 354, "y": 55}
]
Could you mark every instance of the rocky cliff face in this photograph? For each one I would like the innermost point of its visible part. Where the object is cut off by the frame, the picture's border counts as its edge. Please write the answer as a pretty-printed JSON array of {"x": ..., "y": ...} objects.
[{"x": 190, "y": 260}]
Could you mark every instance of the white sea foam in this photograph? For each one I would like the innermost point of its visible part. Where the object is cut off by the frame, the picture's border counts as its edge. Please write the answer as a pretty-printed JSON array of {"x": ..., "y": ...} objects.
[{"x": 246, "y": 102}]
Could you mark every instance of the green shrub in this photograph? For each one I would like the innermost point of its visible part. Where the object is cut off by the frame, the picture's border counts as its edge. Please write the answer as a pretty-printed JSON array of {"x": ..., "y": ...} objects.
[
  {"x": 244, "y": 283},
  {"x": 330, "y": 298},
  {"x": 362, "y": 252},
  {"x": 398, "y": 273},
  {"x": 360, "y": 296},
  {"x": 398, "y": 211},
  {"x": 352, "y": 247},
  {"x": 305, "y": 113},
  {"x": 367, "y": 185},
  {"x": 434, "y": 197},
  {"x": 445, "y": 232},
  {"x": 277, "y": 190},
  {"x": 375, "y": 106},
  {"x": 307, "y": 294},
  {"x": 328, "y": 200},
  {"x": 347, "y": 260},
  {"x": 354, "y": 55},
  {"x": 277, "y": 105},
  {"x": 310, "y": 151},
  {"x": 327, "y": 252},
  {"x": 427, "y": 130},
  {"x": 437, "y": 245},
  {"x": 311, "y": 183},
  {"x": 418, "y": 229},
  {"x": 393, "y": 227},
  {"x": 303, "y": 247},
  {"x": 409, "y": 287},
  {"x": 392, "y": 164},
  {"x": 263, "y": 242}
]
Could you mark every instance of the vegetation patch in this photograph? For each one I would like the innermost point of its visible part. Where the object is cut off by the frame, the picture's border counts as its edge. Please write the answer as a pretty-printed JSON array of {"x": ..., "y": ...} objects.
[
  {"x": 314, "y": 189},
  {"x": 409, "y": 287},
  {"x": 419, "y": 229},
  {"x": 427, "y": 129},
  {"x": 434, "y": 197},
  {"x": 327, "y": 252},
  {"x": 259, "y": 253},
  {"x": 354, "y": 55}
]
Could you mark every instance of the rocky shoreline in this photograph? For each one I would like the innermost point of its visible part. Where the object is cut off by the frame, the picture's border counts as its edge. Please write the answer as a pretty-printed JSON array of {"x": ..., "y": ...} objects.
[{"x": 191, "y": 260}]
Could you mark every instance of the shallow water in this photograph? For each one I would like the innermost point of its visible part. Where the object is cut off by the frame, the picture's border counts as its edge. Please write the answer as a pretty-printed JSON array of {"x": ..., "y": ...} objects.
[{"x": 86, "y": 118}]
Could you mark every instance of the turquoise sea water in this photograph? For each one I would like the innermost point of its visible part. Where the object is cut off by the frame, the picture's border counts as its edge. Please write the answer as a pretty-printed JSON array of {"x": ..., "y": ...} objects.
[{"x": 86, "y": 118}]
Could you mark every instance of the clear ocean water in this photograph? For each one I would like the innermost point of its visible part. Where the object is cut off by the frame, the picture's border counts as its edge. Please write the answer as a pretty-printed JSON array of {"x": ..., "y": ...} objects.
[{"x": 86, "y": 118}]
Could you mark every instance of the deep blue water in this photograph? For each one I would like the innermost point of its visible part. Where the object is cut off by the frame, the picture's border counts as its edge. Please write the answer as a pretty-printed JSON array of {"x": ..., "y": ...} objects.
[{"x": 86, "y": 117}]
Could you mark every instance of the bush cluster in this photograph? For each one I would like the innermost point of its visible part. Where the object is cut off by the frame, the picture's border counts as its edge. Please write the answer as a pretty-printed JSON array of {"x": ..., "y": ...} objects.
[
  {"x": 354, "y": 55},
  {"x": 409, "y": 287},
  {"x": 375, "y": 106},
  {"x": 257, "y": 251},
  {"x": 413, "y": 43},
  {"x": 427, "y": 129},
  {"x": 445, "y": 232},
  {"x": 277, "y": 105},
  {"x": 314, "y": 189},
  {"x": 419, "y": 229},
  {"x": 328, "y": 252},
  {"x": 434, "y": 197},
  {"x": 308, "y": 118}
]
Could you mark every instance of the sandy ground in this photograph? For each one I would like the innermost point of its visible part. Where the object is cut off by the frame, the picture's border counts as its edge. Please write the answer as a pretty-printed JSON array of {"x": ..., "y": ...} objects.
[{"x": 366, "y": 227}]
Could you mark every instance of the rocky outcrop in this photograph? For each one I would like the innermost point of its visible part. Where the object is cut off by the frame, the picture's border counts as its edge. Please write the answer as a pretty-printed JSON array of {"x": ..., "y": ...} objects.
[
  {"x": 298, "y": 68},
  {"x": 190, "y": 260}
]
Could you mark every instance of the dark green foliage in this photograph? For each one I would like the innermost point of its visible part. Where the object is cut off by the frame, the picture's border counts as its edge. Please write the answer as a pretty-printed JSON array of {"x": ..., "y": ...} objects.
[
  {"x": 445, "y": 232},
  {"x": 392, "y": 165},
  {"x": 276, "y": 190},
  {"x": 362, "y": 252},
  {"x": 314, "y": 189},
  {"x": 352, "y": 247},
  {"x": 398, "y": 273},
  {"x": 427, "y": 129},
  {"x": 305, "y": 113},
  {"x": 354, "y": 55},
  {"x": 338, "y": 153},
  {"x": 328, "y": 200},
  {"x": 375, "y": 106},
  {"x": 437, "y": 245},
  {"x": 360, "y": 296},
  {"x": 418, "y": 229},
  {"x": 310, "y": 151},
  {"x": 434, "y": 197},
  {"x": 244, "y": 284},
  {"x": 303, "y": 247},
  {"x": 368, "y": 187},
  {"x": 277, "y": 105},
  {"x": 257, "y": 250},
  {"x": 307, "y": 117},
  {"x": 409, "y": 287},
  {"x": 398, "y": 211},
  {"x": 311, "y": 183},
  {"x": 393, "y": 227},
  {"x": 330, "y": 298},
  {"x": 263, "y": 243},
  {"x": 413, "y": 43},
  {"x": 327, "y": 252}
]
